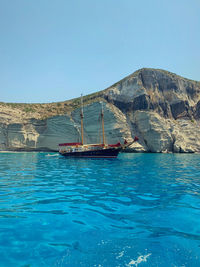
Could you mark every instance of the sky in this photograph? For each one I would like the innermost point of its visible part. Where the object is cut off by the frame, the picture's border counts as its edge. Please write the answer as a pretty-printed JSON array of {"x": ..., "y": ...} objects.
[{"x": 55, "y": 50}]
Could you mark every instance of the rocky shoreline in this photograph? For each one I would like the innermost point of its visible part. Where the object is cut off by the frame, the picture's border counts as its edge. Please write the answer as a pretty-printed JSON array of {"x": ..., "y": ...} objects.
[{"x": 161, "y": 108}]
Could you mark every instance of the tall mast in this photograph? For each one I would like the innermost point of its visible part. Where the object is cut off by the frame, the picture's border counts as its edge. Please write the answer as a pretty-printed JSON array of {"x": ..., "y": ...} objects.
[
  {"x": 81, "y": 119},
  {"x": 102, "y": 121}
]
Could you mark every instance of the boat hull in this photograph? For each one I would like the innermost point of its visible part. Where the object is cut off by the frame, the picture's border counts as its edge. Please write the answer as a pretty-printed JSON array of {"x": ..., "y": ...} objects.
[{"x": 100, "y": 153}]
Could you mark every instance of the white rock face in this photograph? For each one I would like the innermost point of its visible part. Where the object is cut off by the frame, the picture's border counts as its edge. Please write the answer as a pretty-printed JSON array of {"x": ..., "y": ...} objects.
[
  {"x": 155, "y": 134},
  {"x": 187, "y": 136},
  {"x": 163, "y": 135},
  {"x": 58, "y": 129},
  {"x": 34, "y": 134},
  {"x": 38, "y": 134},
  {"x": 115, "y": 124},
  {"x": 127, "y": 89}
]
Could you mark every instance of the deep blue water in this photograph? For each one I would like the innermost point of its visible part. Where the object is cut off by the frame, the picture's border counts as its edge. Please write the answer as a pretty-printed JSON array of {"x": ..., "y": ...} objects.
[{"x": 137, "y": 210}]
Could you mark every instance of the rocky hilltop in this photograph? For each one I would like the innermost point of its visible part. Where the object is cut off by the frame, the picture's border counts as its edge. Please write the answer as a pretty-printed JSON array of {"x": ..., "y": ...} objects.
[{"x": 161, "y": 108}]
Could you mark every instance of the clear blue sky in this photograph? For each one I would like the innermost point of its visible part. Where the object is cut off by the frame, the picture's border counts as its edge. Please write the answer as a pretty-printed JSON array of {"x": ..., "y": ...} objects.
[{"x": 54, "y": 50}]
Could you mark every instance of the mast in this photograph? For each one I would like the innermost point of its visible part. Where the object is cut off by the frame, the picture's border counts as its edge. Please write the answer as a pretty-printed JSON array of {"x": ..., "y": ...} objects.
[
  {"x": 102, "y": 121},
  {"x": 81, "y": 115}
]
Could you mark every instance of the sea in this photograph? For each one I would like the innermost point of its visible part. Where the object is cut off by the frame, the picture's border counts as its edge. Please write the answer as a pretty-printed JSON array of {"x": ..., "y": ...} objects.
[{"x": 136, "y": 210}]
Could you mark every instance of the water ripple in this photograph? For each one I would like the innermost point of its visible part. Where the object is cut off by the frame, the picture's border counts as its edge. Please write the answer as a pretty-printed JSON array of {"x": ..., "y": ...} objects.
[{"x": 99, "y": 212}]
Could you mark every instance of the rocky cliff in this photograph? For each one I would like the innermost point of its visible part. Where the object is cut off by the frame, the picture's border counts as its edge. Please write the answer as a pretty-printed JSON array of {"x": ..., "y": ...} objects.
[{"x": 161, "y": 108}]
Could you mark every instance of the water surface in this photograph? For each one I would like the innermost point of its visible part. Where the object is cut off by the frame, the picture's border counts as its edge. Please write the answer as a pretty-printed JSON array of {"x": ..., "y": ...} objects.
[{"x": 137, "y": 210}]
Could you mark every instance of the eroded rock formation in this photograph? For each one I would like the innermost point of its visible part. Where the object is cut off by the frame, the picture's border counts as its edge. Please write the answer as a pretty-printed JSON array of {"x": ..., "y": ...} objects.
[{"x": 161, "y": 108}]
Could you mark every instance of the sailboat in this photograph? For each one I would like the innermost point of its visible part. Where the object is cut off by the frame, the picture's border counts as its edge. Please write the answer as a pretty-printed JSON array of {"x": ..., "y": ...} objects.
[{"x": 101, "y": 150}]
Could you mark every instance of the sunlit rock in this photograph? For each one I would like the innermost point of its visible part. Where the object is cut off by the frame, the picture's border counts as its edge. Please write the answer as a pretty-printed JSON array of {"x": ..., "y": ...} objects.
[{"x": 161, "y": 108}]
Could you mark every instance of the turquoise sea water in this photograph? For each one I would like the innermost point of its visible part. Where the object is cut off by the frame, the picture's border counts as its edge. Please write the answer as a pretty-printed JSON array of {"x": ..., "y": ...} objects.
[{"x": 137, "y": 210}]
